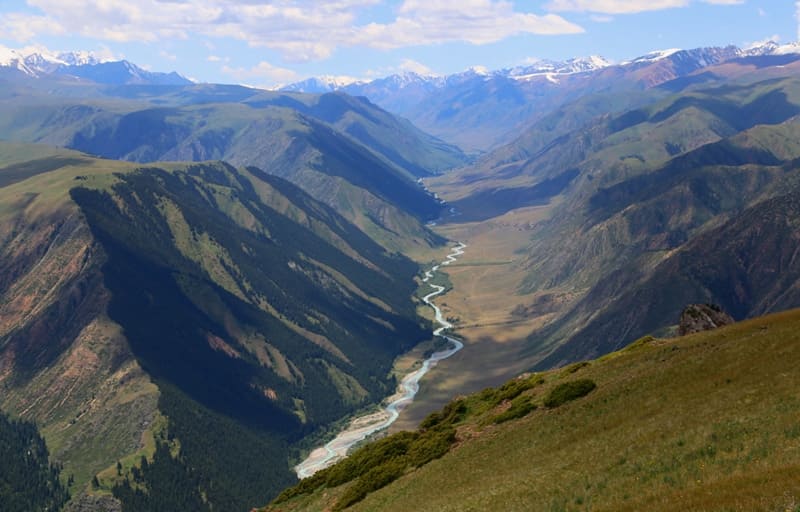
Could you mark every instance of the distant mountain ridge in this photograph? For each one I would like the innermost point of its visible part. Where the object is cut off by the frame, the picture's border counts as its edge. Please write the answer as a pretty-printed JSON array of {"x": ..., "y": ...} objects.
[
  {"x": 82, "y": 65},
  {"x": 478, "y": 109},
  {"x": 703, "y": 56}
]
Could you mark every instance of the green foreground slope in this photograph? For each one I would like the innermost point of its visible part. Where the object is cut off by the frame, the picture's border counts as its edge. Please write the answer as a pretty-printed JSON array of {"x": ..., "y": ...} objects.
[{"x": 705, "y": 422}]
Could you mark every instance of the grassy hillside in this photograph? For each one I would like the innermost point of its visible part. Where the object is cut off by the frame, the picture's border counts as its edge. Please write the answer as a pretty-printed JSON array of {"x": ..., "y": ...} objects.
[
  {"x": 221, "y": 312},
  {"x": 704, "y": 422}
]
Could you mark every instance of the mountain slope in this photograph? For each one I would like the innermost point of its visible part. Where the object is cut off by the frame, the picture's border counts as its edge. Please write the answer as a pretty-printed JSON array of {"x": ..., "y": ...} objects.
[
  {"x": 704, "y": 422},
  {"x": 748, "y": 265},
  {"x": 333, "y": 146},
  {"x": 620, "y": 223},
  {"x": 221, "y": 312}
]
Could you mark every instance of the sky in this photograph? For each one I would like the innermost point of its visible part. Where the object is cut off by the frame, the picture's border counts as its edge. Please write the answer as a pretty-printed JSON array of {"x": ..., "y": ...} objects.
[{"x": 268, "y": 43}]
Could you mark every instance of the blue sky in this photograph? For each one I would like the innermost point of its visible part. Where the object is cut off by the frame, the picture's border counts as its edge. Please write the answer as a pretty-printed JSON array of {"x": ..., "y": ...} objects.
[{"x": 265, "y": 43}]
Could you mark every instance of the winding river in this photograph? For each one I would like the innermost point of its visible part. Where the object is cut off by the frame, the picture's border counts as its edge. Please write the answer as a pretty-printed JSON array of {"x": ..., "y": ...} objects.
[{"x": 364, "y": 426}]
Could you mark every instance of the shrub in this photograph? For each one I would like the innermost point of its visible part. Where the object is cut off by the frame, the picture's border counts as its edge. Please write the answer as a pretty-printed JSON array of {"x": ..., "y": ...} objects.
[
  {"x": 431, "y": 445},
  {"x": 569, "y": 391},
  {"x": 520, "y": 407},
  {"x": 574, "y": 367},
  {"x": 369, "y": 456},
  {"x": 372, "y": 480},
  {"x": 451, "y": 414},
  {"x": 514, "y": 388}
]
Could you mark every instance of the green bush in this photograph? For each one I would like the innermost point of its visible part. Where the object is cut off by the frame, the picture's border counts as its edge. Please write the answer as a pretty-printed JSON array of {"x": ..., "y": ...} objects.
[
  {"x": 569, "y": 391},
  {"x": 431, "y": 445},
  {"x": 369, "y": 456},
  {"x": 514, "y": 388},
  {"x": 574, "y": 367},
  {"x": 372, "y": 480},
  {"x": 520, "y": 407},
  {"x": 450, "y": 415}
]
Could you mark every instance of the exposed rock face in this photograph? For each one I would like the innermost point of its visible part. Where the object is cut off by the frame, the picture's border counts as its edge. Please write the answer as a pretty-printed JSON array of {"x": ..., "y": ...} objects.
[
  {"x": 702, "y": 317},
  {"x": 90, "y": 503}
]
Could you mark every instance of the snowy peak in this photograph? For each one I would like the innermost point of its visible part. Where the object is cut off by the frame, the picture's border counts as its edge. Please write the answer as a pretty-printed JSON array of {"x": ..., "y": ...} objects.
[
  {"x": 548, "y": 67},
  {"x": 653, "y": 56},
  {"x": 319, "y": 85},
  {"x": 772, "y": 48},
  {"x": 40, "y": 62}
]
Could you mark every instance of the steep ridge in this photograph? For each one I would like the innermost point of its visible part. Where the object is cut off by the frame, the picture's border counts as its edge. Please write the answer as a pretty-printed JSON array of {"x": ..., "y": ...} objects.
[
  {"x": 703, "y": 422},
  {"x": 748, "y": 265},
  {"x": 219, "y": 310},
  {"x": 333, "y": 146}
]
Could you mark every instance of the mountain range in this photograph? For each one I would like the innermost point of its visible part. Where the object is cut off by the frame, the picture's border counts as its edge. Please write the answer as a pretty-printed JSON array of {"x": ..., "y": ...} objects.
[
  {"x": 80, "y": 66},
  {"x": 480, "y": 109}
]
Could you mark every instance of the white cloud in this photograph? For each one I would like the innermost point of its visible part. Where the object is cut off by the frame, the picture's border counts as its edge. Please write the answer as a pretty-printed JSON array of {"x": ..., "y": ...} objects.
[
  {"x": 625, "y": 6},
  {"x": 25, "y": 27},
  {"x": 415, "y": 67},
  {"x": 797, "y": 16},
  {"x": 601, "y": 18},
  {"x": 423, "y": 22},
  {"x": 167, "y": 56},
  {"x": 614, "y": 6},
  {"x": 301, "y": 30},
  {"x": 263, "y": 74}
]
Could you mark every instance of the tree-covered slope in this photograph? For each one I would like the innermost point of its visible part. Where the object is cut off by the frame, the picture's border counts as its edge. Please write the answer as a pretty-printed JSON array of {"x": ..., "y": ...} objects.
[
  {"x": 221, "y": 312},
  {"x": 28, "y": 482}
]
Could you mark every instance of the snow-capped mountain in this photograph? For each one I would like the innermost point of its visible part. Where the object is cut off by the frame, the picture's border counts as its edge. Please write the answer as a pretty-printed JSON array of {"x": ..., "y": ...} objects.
[
  {"x": 463, "y": 107},
  {"x": 695, "y": 58},
  {"x": 40, "y": 63},
  {"x": 320, "y": 84},
  {"x": 772, "y": 48}
]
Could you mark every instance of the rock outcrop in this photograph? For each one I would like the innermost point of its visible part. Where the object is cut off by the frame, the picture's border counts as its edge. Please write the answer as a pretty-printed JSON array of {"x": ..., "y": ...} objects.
[{"x": 702, "y": 317}]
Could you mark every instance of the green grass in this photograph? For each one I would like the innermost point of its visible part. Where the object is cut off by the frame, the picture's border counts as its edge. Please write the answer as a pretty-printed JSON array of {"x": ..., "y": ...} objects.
[{"x": 704, "y": 422}]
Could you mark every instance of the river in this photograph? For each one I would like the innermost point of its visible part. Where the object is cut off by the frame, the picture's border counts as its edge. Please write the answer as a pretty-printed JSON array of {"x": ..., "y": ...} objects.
[{"x": 364, "y": 426}]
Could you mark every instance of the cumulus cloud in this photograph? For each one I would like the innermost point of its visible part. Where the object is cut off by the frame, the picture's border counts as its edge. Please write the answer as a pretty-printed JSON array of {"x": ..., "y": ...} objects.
[
  {"x": 422, "y": 22},
  {"x": 300, "y": 30},
  {"x": 797, "y": 17},
  {"x": 625, "y": 6},
  {"x": 25, "y": 27},
  {"x": 262, "y": 74},
  {"x": 415, "y": 67}
]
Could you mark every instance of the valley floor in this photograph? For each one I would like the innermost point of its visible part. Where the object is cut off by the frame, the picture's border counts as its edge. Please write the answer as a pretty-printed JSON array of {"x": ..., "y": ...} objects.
[{"x": 484, "y": 306}]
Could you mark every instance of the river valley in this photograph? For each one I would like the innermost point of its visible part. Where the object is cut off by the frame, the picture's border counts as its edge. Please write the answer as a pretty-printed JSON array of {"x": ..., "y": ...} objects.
[{"x": 362, "y": 427}]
